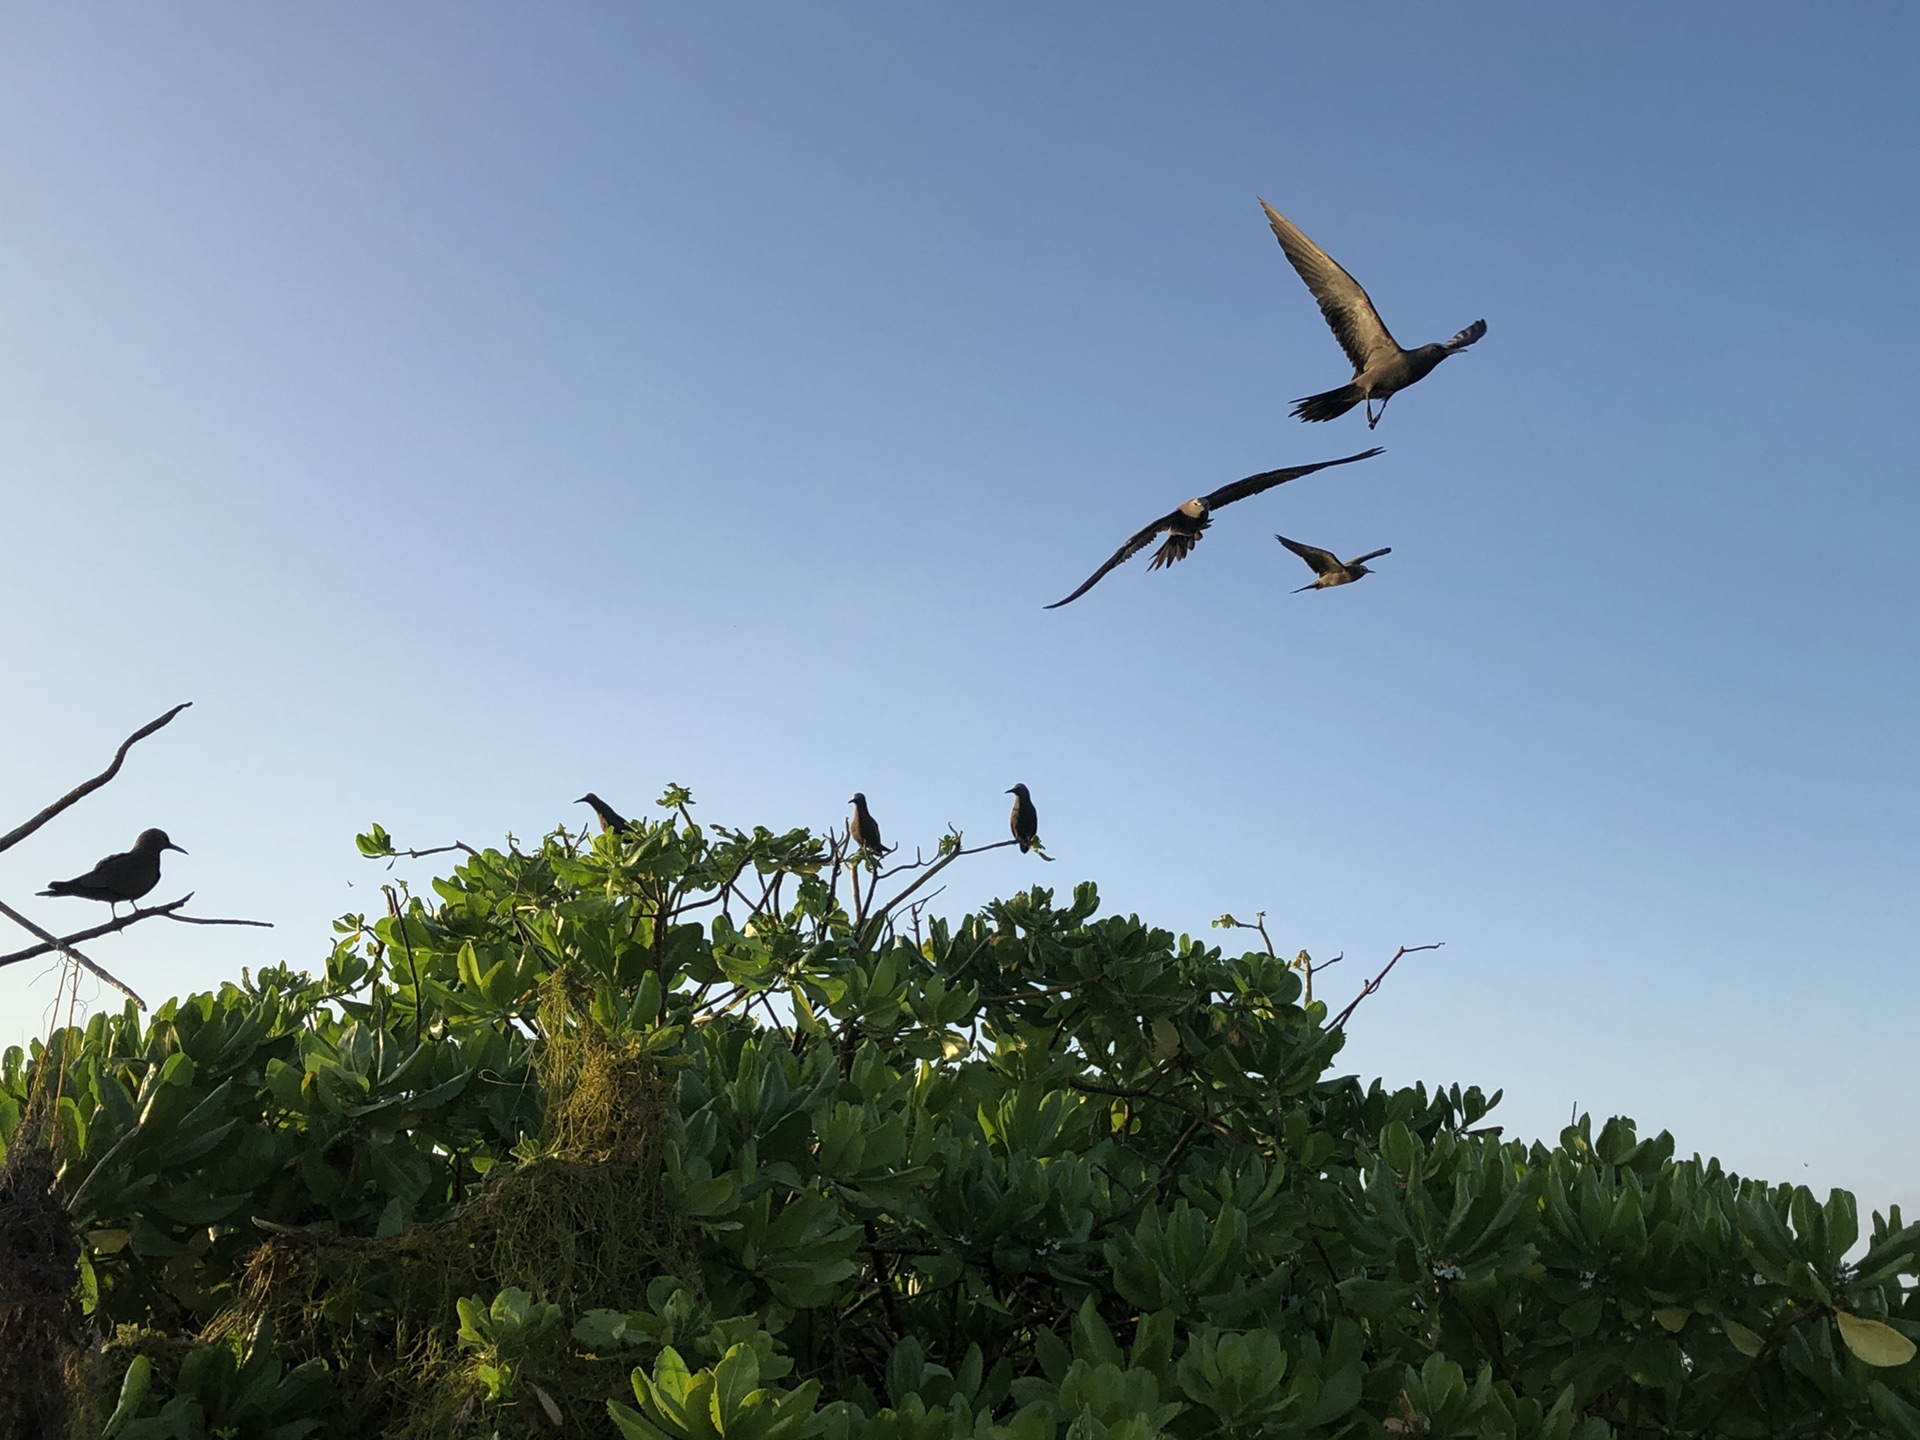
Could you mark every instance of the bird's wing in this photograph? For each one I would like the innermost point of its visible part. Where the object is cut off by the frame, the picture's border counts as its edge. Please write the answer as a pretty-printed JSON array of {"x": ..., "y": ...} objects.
[
  {"x": 1467, "y": 336},
  {"x": 1370, "y": 555},
  {"x": 1324, "y": 562},
  {"x": 1140, "y": 540},
  {"x": 1266, "y": 480},
  {"x": 1356, "y": 324},
  {"x": 106, "y": 867}
]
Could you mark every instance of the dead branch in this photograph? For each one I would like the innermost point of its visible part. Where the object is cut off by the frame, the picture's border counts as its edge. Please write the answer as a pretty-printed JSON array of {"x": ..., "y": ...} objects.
[
  {"x": 1375, "y": 983},
  {"x": 55, "y": 943},
  {"x": 81, "y": 791},
  {"x": 168, "y": 911}
]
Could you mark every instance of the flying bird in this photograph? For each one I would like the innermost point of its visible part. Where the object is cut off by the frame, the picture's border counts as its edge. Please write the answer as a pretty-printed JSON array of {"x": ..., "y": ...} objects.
[
  {"x": 1025, "y": 820},
  {"x": 126, "y": 876},
  {"x": 1185, "y": 525},
  {"x": 609, "y": 818},
  {"x": 864, "y": 829},
  {"x": 1380, "y": 366},
  {"x": 1328, "y": 568}
]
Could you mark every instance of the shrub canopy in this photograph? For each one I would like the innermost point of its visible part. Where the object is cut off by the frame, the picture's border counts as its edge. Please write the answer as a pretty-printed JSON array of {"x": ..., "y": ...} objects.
[{"x": 690, "y": 1132}]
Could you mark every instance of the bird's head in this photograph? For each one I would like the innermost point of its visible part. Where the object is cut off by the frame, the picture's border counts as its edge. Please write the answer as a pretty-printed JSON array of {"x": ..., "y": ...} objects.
[
  {"x": 1195, "y": 509},
  {"x": 589, "y": 799},
  {"x": 1021, "y": 791},
  {"x": 156, "y": 840},
  {"x": 858, "y": 799}
]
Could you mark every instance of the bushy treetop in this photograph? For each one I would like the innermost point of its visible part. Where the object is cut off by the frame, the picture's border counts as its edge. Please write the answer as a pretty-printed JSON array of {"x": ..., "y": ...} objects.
[{"x": 691, "y": 1132}]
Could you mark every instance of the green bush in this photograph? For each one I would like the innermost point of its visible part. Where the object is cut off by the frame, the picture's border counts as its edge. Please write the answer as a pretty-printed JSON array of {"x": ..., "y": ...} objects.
[{"x": 704, "y": 1133}]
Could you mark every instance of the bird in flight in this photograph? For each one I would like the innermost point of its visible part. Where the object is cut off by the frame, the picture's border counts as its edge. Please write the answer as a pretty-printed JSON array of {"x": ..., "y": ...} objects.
[
  {"x": 1328, "y": 568},
  {"x": 126, "y": 876},
  {"x": 1025, "y": 820},
  {"x": 1380, "y": 366},
  {"x": 863, "y": 827},
  {"x": 1185, "y": 525},
  {"x": 609, "y": 818}
]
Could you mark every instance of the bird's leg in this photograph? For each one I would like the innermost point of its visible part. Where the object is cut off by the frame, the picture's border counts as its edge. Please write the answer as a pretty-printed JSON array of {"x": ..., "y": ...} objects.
[{"x": 1373, "y": 417}]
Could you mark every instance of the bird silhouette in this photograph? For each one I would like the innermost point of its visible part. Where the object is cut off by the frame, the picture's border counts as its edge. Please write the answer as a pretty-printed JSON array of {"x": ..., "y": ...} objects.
[
  {"x": 863, "y": 827},
  {"x": 126, "y": 876},
  {"x": 609, "y": 818},
  {"x": 1380, "y": 366},
  {"x": 1185, "y": 525},
  {"x": 1329, "y": 569},
  {"x": 1025, "y": 819}
]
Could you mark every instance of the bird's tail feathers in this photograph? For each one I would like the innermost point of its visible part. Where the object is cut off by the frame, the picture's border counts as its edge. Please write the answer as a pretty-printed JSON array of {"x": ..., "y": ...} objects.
[
  {"x": 1328, "y": 405},
  {"x": 1175, "y": 547},
  {"x": 1314, "y": 586}
]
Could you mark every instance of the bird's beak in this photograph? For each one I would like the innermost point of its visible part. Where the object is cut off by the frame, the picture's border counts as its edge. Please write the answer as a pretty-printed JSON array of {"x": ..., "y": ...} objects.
[
  {"x": 171, "y": 846},
  {"x": 1006, "y": 792}
]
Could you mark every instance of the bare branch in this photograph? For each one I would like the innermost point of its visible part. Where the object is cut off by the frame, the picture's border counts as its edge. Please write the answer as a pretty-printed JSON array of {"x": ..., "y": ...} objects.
[
  {"x": 932, "y": 870},
  {"x": 168, "y": 911},
  {"x": 1375, "y": 983},
  {"x": 81, "y": 791},
  {"x": 55, "y": 943}
]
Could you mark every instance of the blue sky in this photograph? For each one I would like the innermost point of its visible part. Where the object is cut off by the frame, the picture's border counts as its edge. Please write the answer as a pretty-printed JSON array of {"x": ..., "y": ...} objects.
[{"x": 469, "y": 405}]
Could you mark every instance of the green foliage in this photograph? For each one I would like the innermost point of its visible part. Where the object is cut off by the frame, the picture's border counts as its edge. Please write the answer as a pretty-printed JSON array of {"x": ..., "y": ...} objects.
[{"x": 688, "y": 1133}]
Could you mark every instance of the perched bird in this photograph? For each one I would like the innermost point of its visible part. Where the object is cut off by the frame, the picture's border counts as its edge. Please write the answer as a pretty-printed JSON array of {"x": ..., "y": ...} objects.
[
  {"x": 126, "y": 876},
  {"x": 1185, "y": 525},
  {"x": 863, "y": 827},
  {"x": 609, "y": 818},
  {"x": 1380, "y": 366},
  {"x": 1329, "y": 569},
  {"x": 1025, "y": 820}
]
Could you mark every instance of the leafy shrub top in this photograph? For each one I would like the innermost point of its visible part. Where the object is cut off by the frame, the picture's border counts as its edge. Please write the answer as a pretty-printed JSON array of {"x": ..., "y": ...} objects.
[{"x": 847, "y": 1169}]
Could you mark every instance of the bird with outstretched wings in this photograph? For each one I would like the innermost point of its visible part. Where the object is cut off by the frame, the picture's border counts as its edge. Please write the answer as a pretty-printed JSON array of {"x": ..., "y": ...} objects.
[
  {"x": 1184, "y": 525},
  {"x": 1380, "y": 366},
  {"x": 1328, "y": 568}
]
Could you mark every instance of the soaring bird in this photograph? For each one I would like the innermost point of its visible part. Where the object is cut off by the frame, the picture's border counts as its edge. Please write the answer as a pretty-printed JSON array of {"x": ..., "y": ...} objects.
[
  {"x": 609, "y": 818},
  {"x": 863, "y": 827},
  {"x": 1025, "y": 820},
  {"x": 1328, "y": 569},
  {"x": 126, "y": 876},
  {"x": 1380, "y": 366},
  {"x": 1185, "y": 525}
]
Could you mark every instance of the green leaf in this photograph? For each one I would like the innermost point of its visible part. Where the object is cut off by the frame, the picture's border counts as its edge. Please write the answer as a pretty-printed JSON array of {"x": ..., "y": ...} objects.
[
  {"x": 133, "y": 1389},
  {"x": 1874, "y": 1342}
]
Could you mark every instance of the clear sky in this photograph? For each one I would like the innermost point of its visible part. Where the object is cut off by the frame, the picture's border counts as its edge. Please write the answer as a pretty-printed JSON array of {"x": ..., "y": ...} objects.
[{"x": 467, "y": 405}]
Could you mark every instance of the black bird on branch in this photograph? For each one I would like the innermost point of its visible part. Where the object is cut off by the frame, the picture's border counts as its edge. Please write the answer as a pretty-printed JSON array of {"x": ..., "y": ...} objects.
[
  {"x": 1186, "y": 525},
  {"x": 863, "y": 827},
  {"x": 1329, "y": 569},
  {"x": 609, "y": 818},
  {"x": 1380, "y": 366},
  {"x": 126, "y": 876},
  {"x": 1025, "y": 819}
]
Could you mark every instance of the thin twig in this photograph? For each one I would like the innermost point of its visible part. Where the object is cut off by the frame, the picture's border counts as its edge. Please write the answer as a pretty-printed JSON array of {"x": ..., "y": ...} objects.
[
  {"x": 81, "y": 791},
  {"x": 168, "y": 911},
  {"x": 934, "y": 869},
  {"x": 54, "y": 942},
  {"x": 421, "y": 854},
  {"x": 406, "y": 947},
  {"x": 1375, "y": 983}
]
